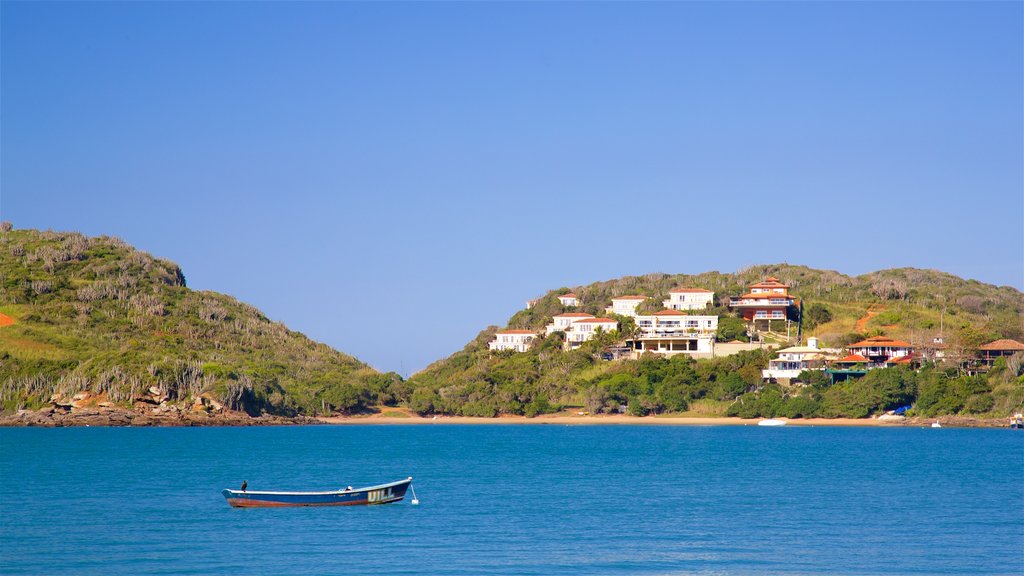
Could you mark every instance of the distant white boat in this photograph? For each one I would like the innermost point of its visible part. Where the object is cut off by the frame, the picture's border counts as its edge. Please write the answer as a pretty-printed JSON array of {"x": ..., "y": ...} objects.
[
  {"x": 771, "y": 422},
  {"x": 936, "y": 425}
]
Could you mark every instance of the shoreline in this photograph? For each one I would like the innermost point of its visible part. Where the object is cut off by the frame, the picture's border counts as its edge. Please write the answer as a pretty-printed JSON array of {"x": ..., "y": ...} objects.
[{"x": 111, "y": 417}]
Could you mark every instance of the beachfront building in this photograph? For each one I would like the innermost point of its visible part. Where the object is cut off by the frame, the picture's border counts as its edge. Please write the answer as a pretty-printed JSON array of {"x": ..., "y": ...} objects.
[
  {"x": 794, "y": 360},
  {"x": 562, "y": 322},
  {"x": 766, "y": 300},
  {"x": 689, "y": 299},
  {"x": 584, "y": 329},
  {"x": 518, "y": 340},
  {"x": 625, "y": 305},
  {"x": 671, "y": 332},
  {"x": 992, "y": 351},
  {"x": 569, "y": 299}
]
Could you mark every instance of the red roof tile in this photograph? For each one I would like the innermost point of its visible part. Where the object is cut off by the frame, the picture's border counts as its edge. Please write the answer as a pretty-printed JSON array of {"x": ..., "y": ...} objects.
[
  {"x": 880, "y": 342},
  {"x": 569, "y": 295},
  {"x": 1001, "y": 345},
  {"x": 853, "y": 359},
  {"x": 690, "y": 290},
  {"x": 629, "y": 298},
  {"x": 596, "y": 320}
]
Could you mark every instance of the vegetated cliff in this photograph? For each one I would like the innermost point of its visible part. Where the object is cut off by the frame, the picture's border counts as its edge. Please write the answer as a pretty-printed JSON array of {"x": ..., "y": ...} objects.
[
  {"x": 95, "y": 315},
  {"x": 907, "y": 303}
]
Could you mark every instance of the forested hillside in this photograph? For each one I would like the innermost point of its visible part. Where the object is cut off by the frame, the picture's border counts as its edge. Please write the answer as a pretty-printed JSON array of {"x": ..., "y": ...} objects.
[{"x": 96, "y": 315}]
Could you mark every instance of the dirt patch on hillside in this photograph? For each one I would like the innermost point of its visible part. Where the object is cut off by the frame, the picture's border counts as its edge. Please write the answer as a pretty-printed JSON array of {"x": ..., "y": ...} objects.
[
  {"x": 862, "y": 325},
  {"x": 6, "y": 320}
]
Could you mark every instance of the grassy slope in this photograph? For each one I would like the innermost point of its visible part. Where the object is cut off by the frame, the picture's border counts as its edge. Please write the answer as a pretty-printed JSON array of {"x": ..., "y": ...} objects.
[
  {"x": 96, "y": 314},
  {"x": 912, "y": 304}
]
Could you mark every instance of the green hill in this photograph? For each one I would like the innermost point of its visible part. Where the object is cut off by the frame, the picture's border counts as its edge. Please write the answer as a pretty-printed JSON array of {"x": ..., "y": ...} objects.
[
  {"x": 96, "y": 315},
  {"x": 907, "y": 303}
]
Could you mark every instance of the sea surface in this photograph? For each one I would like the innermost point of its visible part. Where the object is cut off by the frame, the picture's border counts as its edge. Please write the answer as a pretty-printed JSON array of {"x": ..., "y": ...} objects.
[{"x": 506, "y": 499}]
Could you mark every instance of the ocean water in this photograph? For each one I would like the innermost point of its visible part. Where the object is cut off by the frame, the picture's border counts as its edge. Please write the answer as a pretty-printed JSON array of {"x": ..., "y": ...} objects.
[{"x": 499, "y": 499}]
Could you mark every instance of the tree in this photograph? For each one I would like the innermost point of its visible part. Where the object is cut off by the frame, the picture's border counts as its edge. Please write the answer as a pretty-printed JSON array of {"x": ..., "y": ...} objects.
[{"x": 816, "y": 314}]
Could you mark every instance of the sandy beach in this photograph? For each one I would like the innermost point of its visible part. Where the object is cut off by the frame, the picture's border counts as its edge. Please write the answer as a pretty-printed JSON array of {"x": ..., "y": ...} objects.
[{"x": 603, "y": 420}]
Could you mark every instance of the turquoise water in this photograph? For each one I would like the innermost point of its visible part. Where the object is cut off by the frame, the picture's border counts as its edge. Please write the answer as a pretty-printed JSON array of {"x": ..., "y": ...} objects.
[{"x": 517, "y": 500}]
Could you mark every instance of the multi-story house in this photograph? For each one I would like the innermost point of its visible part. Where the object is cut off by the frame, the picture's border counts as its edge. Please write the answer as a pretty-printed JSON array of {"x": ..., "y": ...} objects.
[
  {"x": 766, "y": 300},
  {"x": 584, "y": 329},
  {"x": 625, "y": 305},
  {"x": 689, "y": 299},
  {"x": 569, "y": 299},
  {"x": 562, "y": 322},
  {"x": 511, "y": 339},
  {"x": 881, "y": 350},
  {"x": 670, "y": 332},
  {"x": 792, "y": 361}
]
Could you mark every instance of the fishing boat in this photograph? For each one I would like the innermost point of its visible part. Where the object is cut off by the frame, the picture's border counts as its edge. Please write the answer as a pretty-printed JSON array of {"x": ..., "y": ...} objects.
[
  {"x": 771, "y": 422},
  {"x": 381, "y": 494}
]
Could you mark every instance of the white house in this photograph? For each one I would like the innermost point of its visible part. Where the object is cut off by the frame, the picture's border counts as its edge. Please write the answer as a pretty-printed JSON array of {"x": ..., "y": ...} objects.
[
  {"x": 689, "y": 299},
  {"x": 792, "y": 361},
  {"x": 569, "y": 299},
  {"x": 562, "y": 322},
  {"x": 518, "y": 340},
  {"x": 584, "y": 329},
  {"x": 671, "y": 332},
  {"x": 625, "y": 305}
]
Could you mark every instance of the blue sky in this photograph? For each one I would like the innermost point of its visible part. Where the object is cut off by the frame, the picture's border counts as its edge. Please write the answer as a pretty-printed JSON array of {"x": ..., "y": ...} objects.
[{"x": 390, "y": 178}]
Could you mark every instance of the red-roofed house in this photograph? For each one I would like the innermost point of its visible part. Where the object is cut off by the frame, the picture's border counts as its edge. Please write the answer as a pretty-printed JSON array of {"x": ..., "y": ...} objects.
[
  {"x": 881, "y": 349},
  {"x": 625, "y": 305},
  {"x": 766, "y": 300},
  {"x": 511, "y": 339},
  {"x": 569, "y": 299},
  {"x": 994, "y": 350},
  {"x": 562, "y": 322},
  {"x": 671, "y": 332},
  {"x": 689, "y": 299},
  {"x": 584, "y": 329}
]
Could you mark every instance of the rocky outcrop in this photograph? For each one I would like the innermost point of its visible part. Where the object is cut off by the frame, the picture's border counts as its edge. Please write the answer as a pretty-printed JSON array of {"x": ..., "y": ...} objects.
[{"x": 143, "y": 414}]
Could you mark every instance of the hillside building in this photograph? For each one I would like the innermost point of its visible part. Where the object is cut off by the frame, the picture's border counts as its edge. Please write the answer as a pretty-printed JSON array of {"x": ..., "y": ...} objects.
[
  {"x": 584, "y": 329},
  {"x": 766, "y": 300},
  {"x": 689, "y": 299},
  {"x": 992, "y": 351},
  {"x": 794, "y": 360},
  {"x": 562, "y": 322},
  {"x": 518, "y": 340},
  {"x": 569, "y": 299},
  {"x": 625, "y": 305},
  {"x": 671, "y": 332}
]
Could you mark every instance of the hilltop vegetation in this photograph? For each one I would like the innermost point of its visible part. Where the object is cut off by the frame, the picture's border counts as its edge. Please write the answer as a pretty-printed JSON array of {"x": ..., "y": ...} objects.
[
  {"x": 93, "y": 314},
  {"x": 96, "y": 315},
  {"x": 906, "y": 303}
]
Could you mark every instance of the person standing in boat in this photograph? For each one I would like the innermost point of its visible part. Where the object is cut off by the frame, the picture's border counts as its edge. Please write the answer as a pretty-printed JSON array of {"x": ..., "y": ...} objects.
[{"x": 245, "y": 484}]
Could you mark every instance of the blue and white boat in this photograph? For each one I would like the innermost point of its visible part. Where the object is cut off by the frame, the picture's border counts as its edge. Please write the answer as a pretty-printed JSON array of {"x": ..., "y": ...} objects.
[{"x": 381, "y": 494}]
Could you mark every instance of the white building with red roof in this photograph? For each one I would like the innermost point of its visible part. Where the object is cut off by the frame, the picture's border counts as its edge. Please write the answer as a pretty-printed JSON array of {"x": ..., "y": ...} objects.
[
  {"x": 671, "y": 332},
  {"x": 584, "y": 329},
  {"x": 625, "y": 305},
  {"x": 512, "y": 339},
  {"x": 562, "y": 322},
  {"x": 569, "y": 299},
  {"x": 689, "y": 299},
  {"x": 881, "y": 350},
  {"x": 766, "y": 300}
]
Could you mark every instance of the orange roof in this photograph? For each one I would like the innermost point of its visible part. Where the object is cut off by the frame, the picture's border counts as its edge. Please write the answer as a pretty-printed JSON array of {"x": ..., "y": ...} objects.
[
  {"x": 1004, "y": 344},
  {"x": 598, "y": 320},
  {"x": 770, "y": 282},
  {"x": 689, "y": 290},
  {"x": 511, "y": 331},
  {"x": 574, "y": 315},
  {"x": 765, "y": 295},
  {"x": 900, "y": 360},
  {"x": 880, "y": 342},
  {"x": 853, "y": 359},
  {"x": 670, "y": 313},
  {"x": 569, "y": 295},
  {"x": 629, "y": 298}
]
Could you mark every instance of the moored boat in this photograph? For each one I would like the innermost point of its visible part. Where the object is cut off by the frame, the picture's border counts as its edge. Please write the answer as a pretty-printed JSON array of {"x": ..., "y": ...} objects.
[
  {"x": 771, "y": 422},
  {"x": 380, "y": 494}
]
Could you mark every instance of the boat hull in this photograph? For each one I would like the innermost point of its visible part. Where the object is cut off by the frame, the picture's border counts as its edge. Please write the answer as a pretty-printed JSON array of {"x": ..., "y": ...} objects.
[{"x": 382, "y": 494}]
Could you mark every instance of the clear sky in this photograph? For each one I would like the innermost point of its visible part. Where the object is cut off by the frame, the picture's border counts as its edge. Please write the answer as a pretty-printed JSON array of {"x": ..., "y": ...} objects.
[{"x": 390, "y": 178}]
